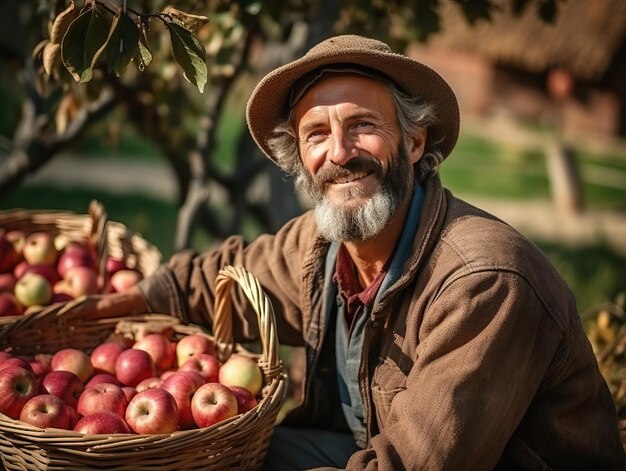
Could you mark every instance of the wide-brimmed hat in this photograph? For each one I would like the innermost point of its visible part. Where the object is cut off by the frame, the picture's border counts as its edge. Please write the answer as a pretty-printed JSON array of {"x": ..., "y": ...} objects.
[{"x": 269, "y": 104}]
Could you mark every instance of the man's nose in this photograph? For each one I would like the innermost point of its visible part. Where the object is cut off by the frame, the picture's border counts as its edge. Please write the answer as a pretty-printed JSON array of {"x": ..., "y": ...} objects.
[{"x": 343, "y": 147}]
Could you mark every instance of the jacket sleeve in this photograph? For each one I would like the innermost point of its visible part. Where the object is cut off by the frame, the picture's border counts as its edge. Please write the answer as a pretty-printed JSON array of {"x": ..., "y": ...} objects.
[
  {"x": 185, "y": 286},
  {"x": 478, "y": 365}
]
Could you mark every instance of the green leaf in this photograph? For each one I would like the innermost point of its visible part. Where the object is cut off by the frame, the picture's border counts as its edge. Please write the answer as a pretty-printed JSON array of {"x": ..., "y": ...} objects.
[
  {"x": 121, "y": 45},
  {"x": 190, "y": 55},
  {"x": 144, "y": 55},
  {"x": 84, "y": 37}
]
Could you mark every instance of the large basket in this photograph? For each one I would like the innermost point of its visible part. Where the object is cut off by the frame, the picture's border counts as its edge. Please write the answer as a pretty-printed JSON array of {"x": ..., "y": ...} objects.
[
  {"x": 109, "y": 238},
  {"x": 238, "y": 443}
]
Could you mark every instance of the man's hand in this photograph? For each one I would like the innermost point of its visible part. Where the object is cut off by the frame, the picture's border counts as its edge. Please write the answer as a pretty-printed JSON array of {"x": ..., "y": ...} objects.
[{"x": 111, "y": 305}]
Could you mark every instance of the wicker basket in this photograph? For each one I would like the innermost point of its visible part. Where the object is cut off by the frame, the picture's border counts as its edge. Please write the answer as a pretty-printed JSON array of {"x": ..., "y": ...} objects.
[
  {"x": 110, "y": 238},
  {"x": 237, "y": 443}
]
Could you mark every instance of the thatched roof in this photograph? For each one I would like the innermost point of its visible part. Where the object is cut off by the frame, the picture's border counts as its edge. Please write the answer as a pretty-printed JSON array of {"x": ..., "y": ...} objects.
[{"x": 582, "y": 40}]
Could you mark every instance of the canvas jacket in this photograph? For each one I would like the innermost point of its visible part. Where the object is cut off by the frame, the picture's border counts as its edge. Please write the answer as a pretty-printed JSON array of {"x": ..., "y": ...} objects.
[{"x": 475, "y": 358}]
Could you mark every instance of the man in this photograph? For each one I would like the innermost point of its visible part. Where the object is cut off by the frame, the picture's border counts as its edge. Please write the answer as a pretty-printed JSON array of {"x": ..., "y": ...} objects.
[{"x": 436, "y": 336}]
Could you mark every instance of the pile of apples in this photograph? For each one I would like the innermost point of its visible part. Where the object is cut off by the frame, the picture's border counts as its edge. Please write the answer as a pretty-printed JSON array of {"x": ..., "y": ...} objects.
[
  {"x": 153, "y": 385},
  {"x": 39, "y": 269}
]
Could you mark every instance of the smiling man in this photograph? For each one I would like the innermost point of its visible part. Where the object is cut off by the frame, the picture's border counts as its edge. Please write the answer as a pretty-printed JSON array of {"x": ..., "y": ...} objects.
[{"x": 437, "y": 337}]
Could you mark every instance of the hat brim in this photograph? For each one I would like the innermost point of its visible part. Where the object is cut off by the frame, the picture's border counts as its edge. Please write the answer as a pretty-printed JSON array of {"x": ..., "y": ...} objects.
[{"x": 268, "y": 104}]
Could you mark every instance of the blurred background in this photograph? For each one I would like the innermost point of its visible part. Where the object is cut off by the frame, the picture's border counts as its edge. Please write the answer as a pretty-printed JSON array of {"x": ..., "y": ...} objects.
[{"x": 541, "y": 84}]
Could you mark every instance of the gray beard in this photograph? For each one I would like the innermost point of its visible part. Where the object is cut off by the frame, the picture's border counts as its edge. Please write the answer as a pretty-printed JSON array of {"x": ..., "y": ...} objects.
[{"x": 351, "y": 224}]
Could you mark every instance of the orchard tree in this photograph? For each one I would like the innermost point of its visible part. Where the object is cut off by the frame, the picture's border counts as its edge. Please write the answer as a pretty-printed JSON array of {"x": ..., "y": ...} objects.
[{"x": 169, "y": 70}]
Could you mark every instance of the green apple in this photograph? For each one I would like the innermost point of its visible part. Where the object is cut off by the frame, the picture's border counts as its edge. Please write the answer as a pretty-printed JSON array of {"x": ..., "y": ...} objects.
[{"x": 33, "y": 289}]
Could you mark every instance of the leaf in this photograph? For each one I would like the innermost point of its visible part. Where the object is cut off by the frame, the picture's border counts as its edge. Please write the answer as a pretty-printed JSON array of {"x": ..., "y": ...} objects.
[
  {"x": 144, "y": 54},
  {"x": 121, "y": 44},
  {"x": 51, "y": 57},
  {"x": 191, "y": 22},
  {"x": 62, "y": 23},
  {"x": 83, "y": 39},
  {"x": 190, "y": 54}
]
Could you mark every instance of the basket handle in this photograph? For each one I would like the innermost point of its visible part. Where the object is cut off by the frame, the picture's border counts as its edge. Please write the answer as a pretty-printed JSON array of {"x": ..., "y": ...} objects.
[
  {"x": 223, "y": 321},
  {"x": 98, "y": 236}
]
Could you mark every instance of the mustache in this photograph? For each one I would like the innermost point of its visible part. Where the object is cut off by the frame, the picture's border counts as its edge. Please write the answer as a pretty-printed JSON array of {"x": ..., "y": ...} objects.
[{"x": 360, "y": 164}]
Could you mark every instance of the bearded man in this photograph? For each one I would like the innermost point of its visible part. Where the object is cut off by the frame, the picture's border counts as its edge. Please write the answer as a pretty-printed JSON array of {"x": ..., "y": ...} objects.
[{"x": 437, "y": 337}]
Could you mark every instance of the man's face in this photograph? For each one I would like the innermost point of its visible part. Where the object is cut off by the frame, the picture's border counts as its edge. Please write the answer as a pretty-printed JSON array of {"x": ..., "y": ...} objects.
[{"x": 356, "y": 168}]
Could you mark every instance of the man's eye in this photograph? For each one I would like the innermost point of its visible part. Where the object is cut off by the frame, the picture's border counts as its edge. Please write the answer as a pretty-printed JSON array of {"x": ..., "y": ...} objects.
[
  {"x": 364, "y": 125},
  {"x": 316, "y": 135}
]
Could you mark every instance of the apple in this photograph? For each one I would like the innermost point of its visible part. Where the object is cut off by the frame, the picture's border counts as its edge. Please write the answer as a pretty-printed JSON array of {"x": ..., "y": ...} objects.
[
  {"x": 75, "y": 255},
  {"x": 102, "y": 396},
  {"x": 19, "y": 269},
  {"x": 80, "y": 281},
  {"x": 149, "y": 383},
  {"x": 63, "y": 384},
  {"x": 8, "y": 254},
  {"x": 242, "y": 370},
  {"x": 123, "y": 280},
  {"x": 101, "y": 423},
  {"x": 17, "y": 386},
  {"x": 18, "y": 239},
  {"x": 182, "y": 385},
  {"x": 74, "y": 360},
  {"x": 39, "y": 248},
  {"x": 207, "y": 365},
  {"x": 16, "y": 361},
  {"x": 103, "y": 357},
  {"x": 9, "y": 305},
  {"x": 47, "y": 271},
  {"x": 73, "y": 416},
  {"x": 133, "y": 366},
  {"x": 159, "y": 348},
  {"x": 212, "y": 403},
  {"x": 113, "y": 265},
  {"x": 45, "y": 411},
  {"x": 103, "y": 378},
  {"x": 152, "y": 411},
  {"x": 33, "y": 290},
  {"x": 192, "y": 344},
  {"x": 129, "y": 391},
  {"x": 7, "y": 282},
  {"x": 245, "y": 400},
  {"x": 167, "y": 374},
  {"x": 4, "y": 355},
  {"x": 60, "y": 297}
]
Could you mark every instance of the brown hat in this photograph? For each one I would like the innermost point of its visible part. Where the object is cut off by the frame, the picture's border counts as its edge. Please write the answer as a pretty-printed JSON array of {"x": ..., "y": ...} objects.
[{"x": 269, "y": 104}]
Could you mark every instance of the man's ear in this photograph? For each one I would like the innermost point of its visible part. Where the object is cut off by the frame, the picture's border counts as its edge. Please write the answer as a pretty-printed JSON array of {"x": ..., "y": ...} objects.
[{"x": 416, "y": 145}]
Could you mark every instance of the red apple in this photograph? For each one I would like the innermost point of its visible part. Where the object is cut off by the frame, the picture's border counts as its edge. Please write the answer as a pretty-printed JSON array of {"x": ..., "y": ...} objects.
[
  {"x": 242, "y": 370},
  {"x": 129, "y": 391},
  {"x": 18, "y": 239},
  {"x": 9, "y": 305},
  {"x": 152, "y": 411},
  {"x": 8, "y": 254},
  {"x": 159, "y": 349},
  {"x": 207, "y": 365},
  {"x": 73, "y": 416},
  {"x": 74, "y": 360},
  {"x": 167, "y": 374},
  {"x": 39, "y": 248},
  {"x": 123, "y": 280},
  {"x": 7, "y": 282},
  {"x": 16, "y": 361},
  {"x": 63, "y": 384},
  {"x": 104, "y": 356},
  {"x": 80, "y": 281},
  {"x": 101, "y": 423},
  {"x": 149, "y": 383},
  {"x": 133, "y": 366},
  {"x": 47, "y": 271},
  {"x": 45, "y": 411},
  {"x": 212, "y": 403},
  {"x": 113, "y": 265},
  {"x": 75, "y": 255},
  {"x": 245, "y": 400},
  {"x": 33, "y": 290},
  {"x": 60, "y": 297},
  {"x": 189, "y": 345},
  {"x": 182, "y": 385},
  {"x": 102, "y": 396},
  {"x": 4, "y": 355},
  {"x": 103, "y": 378},
  {"x": 17, "y": 386}
]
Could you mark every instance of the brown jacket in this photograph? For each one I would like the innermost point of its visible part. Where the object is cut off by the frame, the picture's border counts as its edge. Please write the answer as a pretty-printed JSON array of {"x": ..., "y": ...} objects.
[{"x": 474, "y": 359}]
